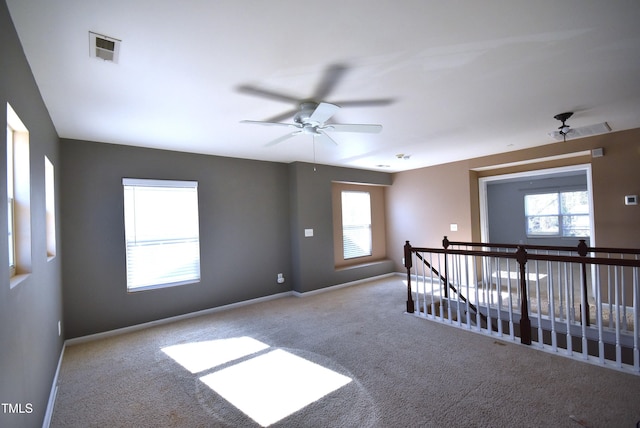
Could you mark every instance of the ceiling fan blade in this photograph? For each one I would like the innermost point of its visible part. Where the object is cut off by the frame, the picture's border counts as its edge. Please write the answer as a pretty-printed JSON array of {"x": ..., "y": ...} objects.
[
  {"x": 264, "y": 123},
  {"x": 322, "y": 136},
  {"x": 352, "y": 127},
  {"x": 283, "y": 116},
  {"x": 332, "y": 75},
  {"x": 380, "y": 102},
  {"x": 281, "y": 139},
  {"x": 265, "y": 93},
  {"x": 323, "y": 112}
]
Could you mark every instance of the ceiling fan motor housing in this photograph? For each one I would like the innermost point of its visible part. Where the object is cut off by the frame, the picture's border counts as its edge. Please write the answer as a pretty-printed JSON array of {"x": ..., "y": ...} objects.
[{"x": 306, "y": 110}]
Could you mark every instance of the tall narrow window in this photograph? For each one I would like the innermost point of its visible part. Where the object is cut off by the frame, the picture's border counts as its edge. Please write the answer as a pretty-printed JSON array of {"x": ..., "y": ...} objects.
[
  {"x": 18, "y": 196},
  {"x": 10, "y": 203},
  {"x": 50, "y": 207},
  {"x": 161, "y": 233},
  {"x": 356, "y": 224}
]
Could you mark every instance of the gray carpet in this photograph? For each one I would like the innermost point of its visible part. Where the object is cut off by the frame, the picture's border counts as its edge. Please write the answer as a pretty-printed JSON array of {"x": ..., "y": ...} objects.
[{"x": 403, "y": 371}]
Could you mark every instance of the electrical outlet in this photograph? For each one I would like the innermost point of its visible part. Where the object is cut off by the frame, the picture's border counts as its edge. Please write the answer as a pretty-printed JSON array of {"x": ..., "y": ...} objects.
[{"x": 280, "y": 278}]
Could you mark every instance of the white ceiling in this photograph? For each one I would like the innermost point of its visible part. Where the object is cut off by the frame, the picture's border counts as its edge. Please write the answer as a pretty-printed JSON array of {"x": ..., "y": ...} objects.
[{"x": 468, "y": 78}]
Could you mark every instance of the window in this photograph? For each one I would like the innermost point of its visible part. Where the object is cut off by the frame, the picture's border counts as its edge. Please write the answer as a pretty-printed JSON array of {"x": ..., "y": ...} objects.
[
  {"x": 161, "y": 233},
  {"x": 356, "y": 224},
  {"x": 10, "y": 203},
  {"x": 50, "y": 207},
  {"x": 358, "y": 213},
  {"x": 18, "y": 196},
  {"x": 564, "y": 214}
]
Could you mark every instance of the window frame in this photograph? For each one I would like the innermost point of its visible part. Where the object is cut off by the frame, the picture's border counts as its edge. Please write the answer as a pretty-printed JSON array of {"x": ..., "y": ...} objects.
[
  {"x": 348, "y": 251},
  {"x": 18, "y": 199},
  {"x": 558, "y": 215},
  {"x": 378, "y": 224},
  {"x": 187, "y": 247}
]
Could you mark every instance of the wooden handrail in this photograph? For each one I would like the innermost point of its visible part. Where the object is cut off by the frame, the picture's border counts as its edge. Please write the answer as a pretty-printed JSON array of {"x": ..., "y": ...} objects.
[{"x": 521, "y": 256}]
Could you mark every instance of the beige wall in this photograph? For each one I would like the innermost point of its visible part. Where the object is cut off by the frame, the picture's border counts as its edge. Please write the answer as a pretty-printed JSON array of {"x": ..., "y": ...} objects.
[{"x": 422, "y": 203}]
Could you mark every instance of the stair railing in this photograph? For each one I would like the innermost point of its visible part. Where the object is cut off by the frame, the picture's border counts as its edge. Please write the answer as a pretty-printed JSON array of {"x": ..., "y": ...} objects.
[{"x": 574, "y": 291}]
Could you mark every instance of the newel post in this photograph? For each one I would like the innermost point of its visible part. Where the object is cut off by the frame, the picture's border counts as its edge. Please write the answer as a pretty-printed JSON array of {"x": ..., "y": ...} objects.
[
  {"x": 445, "y": 245},
  {"x": 408, "y": 264},
  {"x": 525, "y": 322},
  {"x": 582, "y": 252}
]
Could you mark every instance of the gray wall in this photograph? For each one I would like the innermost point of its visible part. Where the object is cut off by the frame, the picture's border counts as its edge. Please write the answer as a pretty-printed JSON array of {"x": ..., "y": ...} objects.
[
  {"x": 311, "y": 208},
  {"x": 505, "y": 205},
  {"x": 244, "y": 233},
  {"x": 252, "y": 220},
  {"x": 29, "y": 313}
]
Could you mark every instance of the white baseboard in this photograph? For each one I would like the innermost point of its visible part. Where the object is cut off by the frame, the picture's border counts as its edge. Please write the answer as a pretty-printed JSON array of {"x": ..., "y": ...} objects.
[
  {"x": 54, "y": 390},
  {"x": 129, "y": 329},
  {"x": 162, "y": 321},
  {"x": 338, "y": 286}
]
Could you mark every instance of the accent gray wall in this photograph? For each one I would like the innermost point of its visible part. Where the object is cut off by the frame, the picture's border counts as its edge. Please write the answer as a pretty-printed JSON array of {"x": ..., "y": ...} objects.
[
  {"x": 311, "y": 208},
  {"x": 29, "y": 313},
  {"x": 244, "y": 233},
  {"x": 505, "y": 205}
]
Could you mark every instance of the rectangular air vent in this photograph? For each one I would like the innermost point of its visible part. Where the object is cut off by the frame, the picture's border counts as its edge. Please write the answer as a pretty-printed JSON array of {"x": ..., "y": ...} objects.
[
  {"x": 104, "y": 47},
  {"x": 583, "y": 131}
]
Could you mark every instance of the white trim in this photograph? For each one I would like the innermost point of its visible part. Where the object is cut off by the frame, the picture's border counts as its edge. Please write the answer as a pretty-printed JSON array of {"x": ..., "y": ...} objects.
[
  {"x": 137, "y": 327},
  {"x": 152, "y": 182},
  {"x": 537, "y": 160},
  {"x": 339, "y": 286},
  {"x": 482, "y": 194},
  {"x": 54, "y": 391}
]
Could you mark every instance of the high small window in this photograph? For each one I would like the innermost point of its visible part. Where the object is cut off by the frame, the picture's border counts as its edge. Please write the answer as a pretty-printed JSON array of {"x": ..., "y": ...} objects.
[
  {"x": 356, "y": 224},
  {"x": 558, "y": 214},
  {"x": 161, "y": 233},
  {"x": 50, "y": 207},
  {"x": 18, "y": 197}
]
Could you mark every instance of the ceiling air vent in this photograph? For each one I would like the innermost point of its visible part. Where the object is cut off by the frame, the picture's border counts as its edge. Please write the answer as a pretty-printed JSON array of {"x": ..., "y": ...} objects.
[
  {"x": 104, "y": 47},
  {"x": 583, "y": 131}
]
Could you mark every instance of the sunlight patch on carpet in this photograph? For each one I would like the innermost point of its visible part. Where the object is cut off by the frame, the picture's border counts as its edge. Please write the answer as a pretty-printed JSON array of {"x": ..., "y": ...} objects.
[
  {"x": 199, "y": 356},
  {"x": 274, "y": 385}
]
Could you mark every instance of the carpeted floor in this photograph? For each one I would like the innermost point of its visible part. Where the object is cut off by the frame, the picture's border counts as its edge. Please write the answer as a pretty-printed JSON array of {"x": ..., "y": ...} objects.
[{"x": 388, "y": 368}]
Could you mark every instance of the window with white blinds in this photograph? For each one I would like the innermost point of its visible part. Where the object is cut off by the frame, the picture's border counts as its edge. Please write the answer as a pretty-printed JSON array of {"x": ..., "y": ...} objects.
[
  {"x": 356, "y": 224},
  {"x": 161, "y": 233}
]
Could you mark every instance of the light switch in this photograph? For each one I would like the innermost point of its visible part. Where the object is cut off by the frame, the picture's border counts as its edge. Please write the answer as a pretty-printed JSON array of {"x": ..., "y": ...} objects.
[
  {"x": 454, "y": 227},
  {"x": 308, "y": 233}
]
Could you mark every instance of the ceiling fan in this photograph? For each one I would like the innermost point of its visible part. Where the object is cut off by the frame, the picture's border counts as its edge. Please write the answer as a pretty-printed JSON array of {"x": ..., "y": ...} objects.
[
  {"x": 330, "y": 79},
  {"x": 311, "y": 119},
  {"x": 564, "y": 129}
]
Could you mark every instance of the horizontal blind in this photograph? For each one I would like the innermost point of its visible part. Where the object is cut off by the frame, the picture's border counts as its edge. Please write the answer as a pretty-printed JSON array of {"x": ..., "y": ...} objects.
[
  {"x": 162, "y": 232},
  {"x": 356, "y": 224}
]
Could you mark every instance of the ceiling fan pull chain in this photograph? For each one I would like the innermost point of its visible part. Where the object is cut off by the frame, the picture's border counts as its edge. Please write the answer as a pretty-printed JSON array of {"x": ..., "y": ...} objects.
[{"x": 313, "y": 137}]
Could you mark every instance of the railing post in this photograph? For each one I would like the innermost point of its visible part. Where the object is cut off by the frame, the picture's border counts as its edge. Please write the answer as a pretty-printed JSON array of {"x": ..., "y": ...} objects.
[
  {"x": 525, "y": 322},
  {"x": 408, "y": 264},
  {"x": 445, "y": 244},
  {"x": 582, "y": 252}
]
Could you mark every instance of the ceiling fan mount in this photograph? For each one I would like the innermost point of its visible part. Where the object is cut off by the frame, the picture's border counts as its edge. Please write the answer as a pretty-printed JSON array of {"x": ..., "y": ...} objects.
[{"x": 563, "y": 117}]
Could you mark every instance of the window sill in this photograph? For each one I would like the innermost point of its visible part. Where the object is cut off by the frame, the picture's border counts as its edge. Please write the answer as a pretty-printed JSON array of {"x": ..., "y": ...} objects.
[
  {"x": 361, "y": 265},
  {"x": 17, "y": 279}
]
